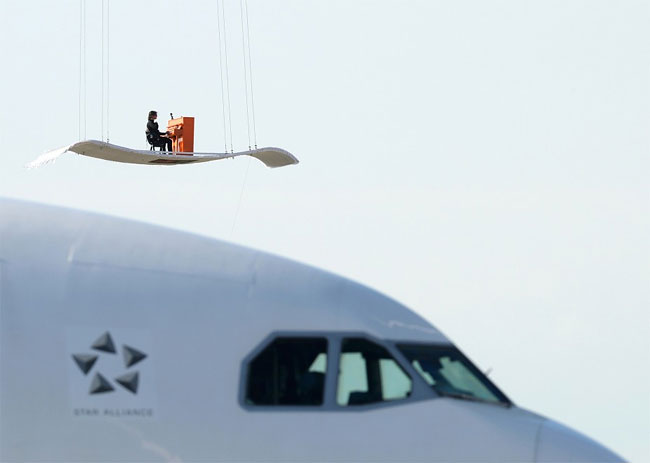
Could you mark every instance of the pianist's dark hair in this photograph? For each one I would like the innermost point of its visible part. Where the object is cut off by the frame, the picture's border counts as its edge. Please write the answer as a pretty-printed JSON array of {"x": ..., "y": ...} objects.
[{"x": 152, "y": 113}]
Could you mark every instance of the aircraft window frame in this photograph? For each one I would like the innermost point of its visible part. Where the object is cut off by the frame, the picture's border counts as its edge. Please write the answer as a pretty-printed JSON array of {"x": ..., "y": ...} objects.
[
  {"x": 420, "y": 390},
  {"x": 281, "y": 374},
  {"x": 369, "y": 370},
  {"x": 503, "y": 399}
]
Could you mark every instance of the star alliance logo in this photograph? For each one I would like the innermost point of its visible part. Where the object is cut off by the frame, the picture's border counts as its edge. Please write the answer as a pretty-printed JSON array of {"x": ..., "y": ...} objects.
[{"x": 105, "y": 345}]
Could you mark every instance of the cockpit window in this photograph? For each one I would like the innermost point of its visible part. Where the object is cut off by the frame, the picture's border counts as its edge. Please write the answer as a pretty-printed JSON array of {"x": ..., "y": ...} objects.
[
  {"x": 289, "y": 371},
  {"x": 369, "y": 374},
  {"x": 450, "y": 373}
]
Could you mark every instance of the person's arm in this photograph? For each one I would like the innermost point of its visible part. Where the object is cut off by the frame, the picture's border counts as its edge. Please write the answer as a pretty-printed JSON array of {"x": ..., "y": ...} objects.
[{"x": 160, "y": 134}]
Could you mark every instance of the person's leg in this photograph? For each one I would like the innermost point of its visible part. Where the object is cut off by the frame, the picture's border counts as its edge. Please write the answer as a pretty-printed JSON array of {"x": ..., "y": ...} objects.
[{"x": 165, "y": 144}]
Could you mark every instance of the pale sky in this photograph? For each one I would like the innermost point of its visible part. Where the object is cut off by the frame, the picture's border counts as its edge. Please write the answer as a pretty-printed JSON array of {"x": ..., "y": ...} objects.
[{"x": 483, "y": 162}]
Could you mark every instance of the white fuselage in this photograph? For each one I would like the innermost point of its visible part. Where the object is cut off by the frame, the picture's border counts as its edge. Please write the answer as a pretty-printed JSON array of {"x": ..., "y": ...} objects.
[{"x": 197, "y": 309}]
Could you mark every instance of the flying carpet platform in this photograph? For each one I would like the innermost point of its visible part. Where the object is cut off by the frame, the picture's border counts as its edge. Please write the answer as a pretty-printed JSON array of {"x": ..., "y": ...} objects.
[{"x": 271, "y": 157}]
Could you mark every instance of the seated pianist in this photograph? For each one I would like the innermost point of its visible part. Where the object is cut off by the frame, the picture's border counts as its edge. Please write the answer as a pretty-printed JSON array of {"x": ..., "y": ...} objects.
[{"x": 155, "y": 137}]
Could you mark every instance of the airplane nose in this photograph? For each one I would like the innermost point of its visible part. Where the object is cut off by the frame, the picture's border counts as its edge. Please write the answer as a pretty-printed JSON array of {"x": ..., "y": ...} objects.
[{"x": 558, "y": 443}]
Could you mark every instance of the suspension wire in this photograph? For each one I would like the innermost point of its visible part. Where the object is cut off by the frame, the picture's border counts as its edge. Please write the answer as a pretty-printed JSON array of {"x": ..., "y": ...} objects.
[
  {"x": 243, "y": 45},
  {"x": 81, "y": 12},
  {"x": 102, "y": 70},
  {"x": 223, "y": 100},
  {"x": 241, "y": 196},
  {"x": 246, "y": 39},
  {"x": 108, "y": 68},
  {"x": 85, "y": 76},
  {"x": 225, "y": 46},
  {"x": 250, "y": 70}
]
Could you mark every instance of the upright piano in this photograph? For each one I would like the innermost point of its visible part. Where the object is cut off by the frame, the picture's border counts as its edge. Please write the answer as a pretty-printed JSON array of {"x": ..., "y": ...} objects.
[{"x": 181, "y": 132}]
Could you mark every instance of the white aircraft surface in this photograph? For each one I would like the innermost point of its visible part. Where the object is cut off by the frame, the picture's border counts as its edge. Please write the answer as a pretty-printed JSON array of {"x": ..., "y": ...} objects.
[
  {"x": 271, "y": 157},
  {"x": 122, "y": 341}
]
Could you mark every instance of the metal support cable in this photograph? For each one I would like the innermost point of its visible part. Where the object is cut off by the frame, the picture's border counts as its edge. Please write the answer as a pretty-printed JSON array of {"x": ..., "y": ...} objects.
[
  {"x": 250, "y": 70},
  {"x": 241, "y": 196},
  {"x": 108, "y": 68},
  {"x": 102, "y": 124},
  {"x": 225, "y": 46},
  {"x": 81, "y": 13},
  {"x": 84, "y": 70},
  {"x": 223, "y": 101},
  {"x": 243, "y": 43}
]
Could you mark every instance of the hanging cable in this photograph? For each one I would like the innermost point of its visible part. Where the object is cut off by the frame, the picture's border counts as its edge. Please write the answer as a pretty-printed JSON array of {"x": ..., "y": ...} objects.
[
  {"x": 223, "y": 101},
  {"x": 250, "y": 70},
  {"x": 243, "y": 46},
  {"x": 225, "y": 46},
  {"x": 246, "y": 40},
  {"x": 108, "y": 69},
  {"x": 85, "y": 77},
  {"x": 102, "y": 70},
  {"x": 81, "y": 14},
  {"x": 241, "y": 196}
]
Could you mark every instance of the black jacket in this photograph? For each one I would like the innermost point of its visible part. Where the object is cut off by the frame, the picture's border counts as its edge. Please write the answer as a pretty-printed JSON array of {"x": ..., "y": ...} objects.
[{"x": 152, "y": 130}]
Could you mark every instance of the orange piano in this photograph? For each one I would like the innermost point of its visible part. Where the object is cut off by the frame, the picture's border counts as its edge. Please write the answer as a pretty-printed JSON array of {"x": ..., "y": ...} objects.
[{"x": 181, "y": 132}]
